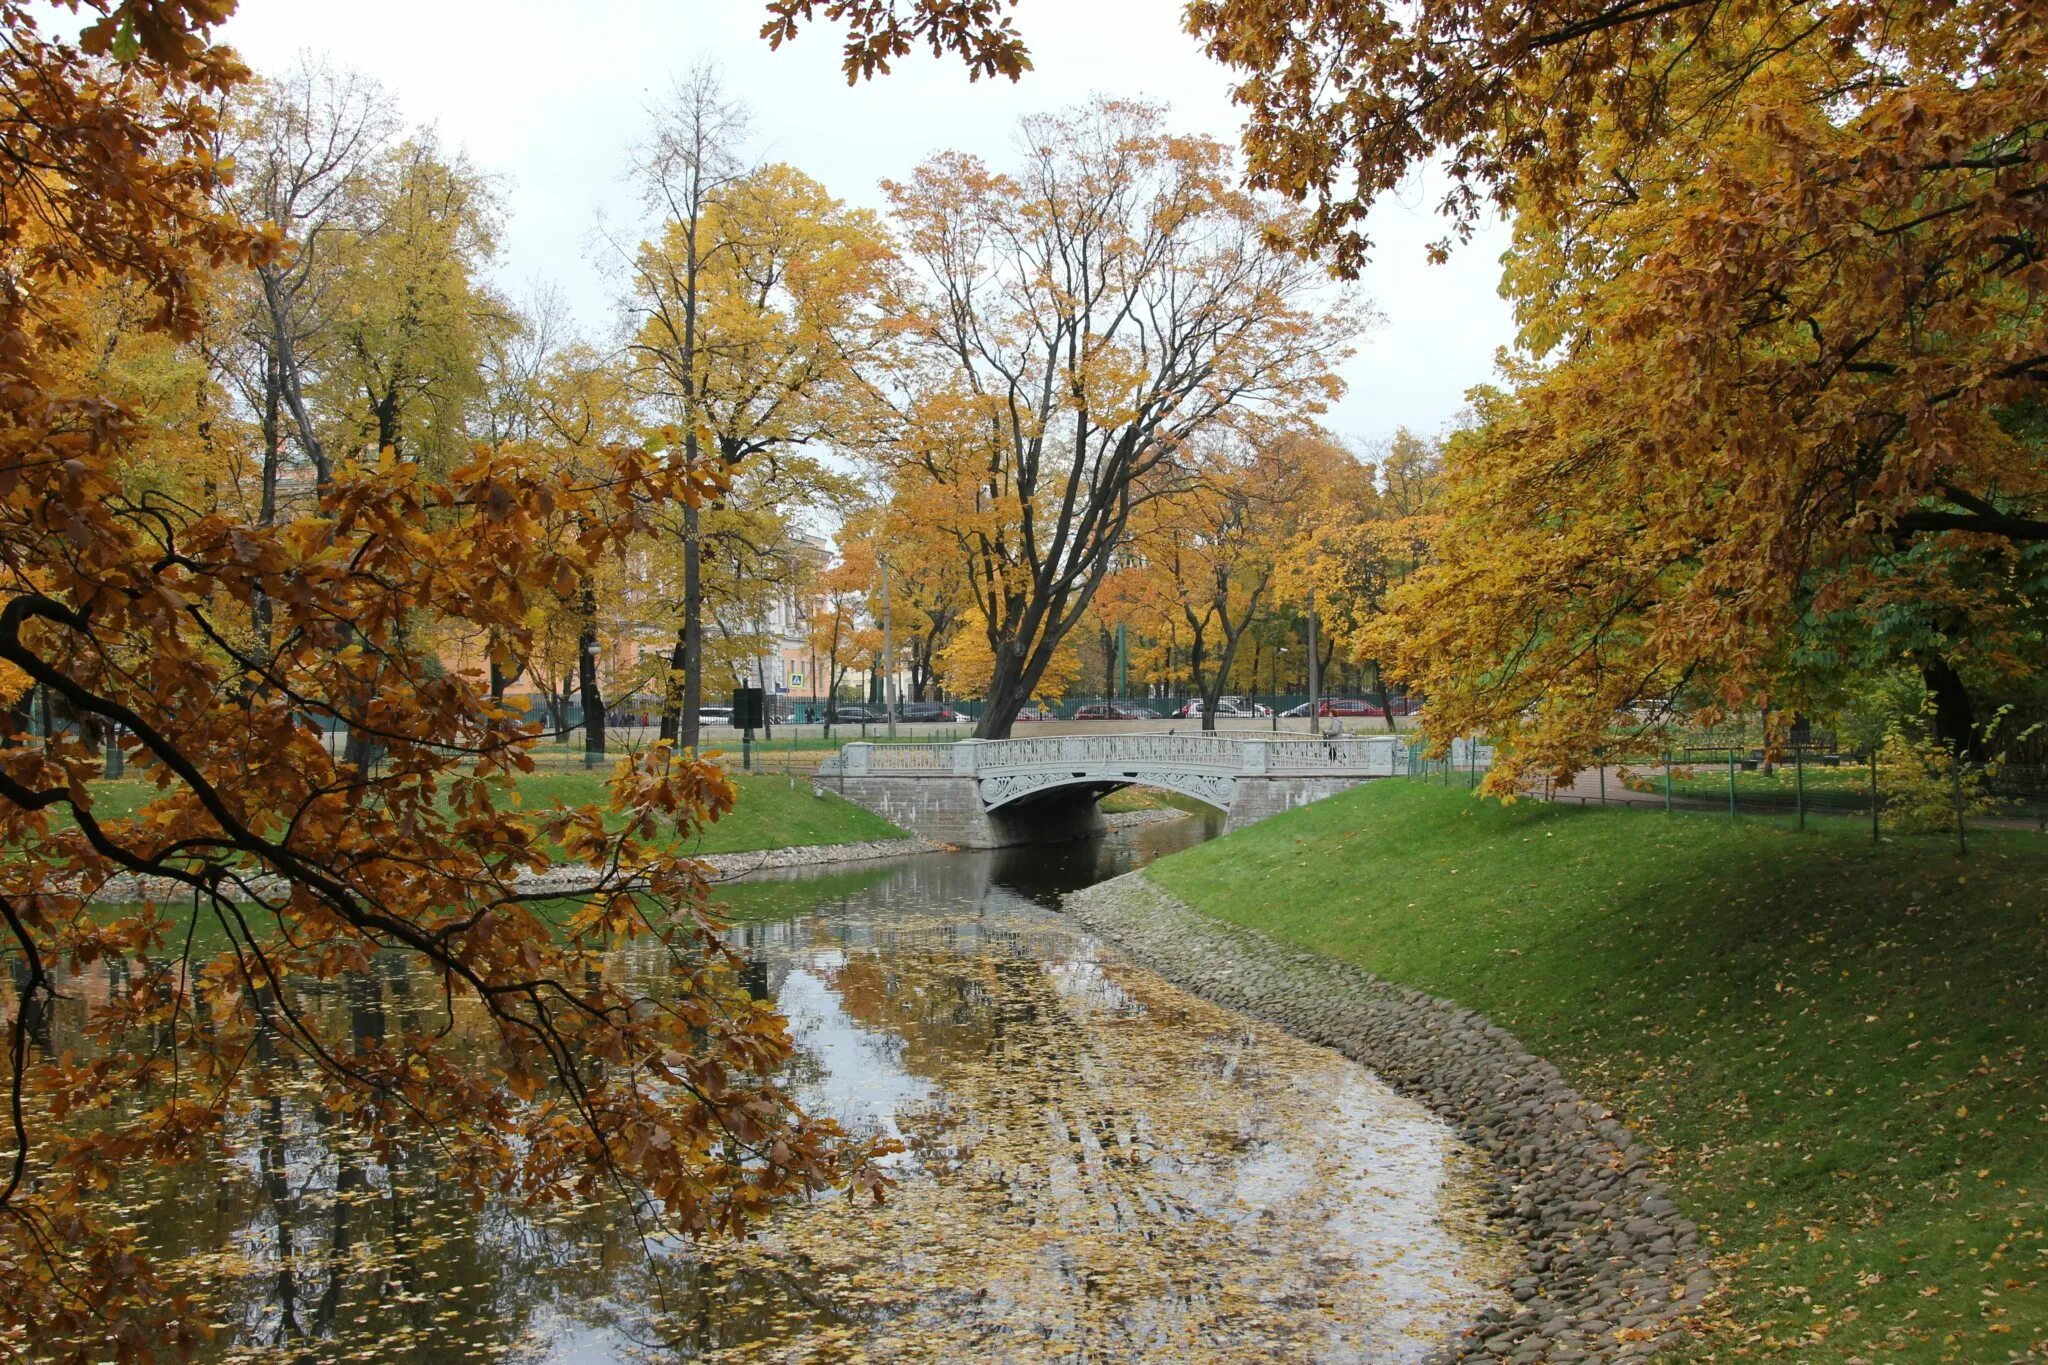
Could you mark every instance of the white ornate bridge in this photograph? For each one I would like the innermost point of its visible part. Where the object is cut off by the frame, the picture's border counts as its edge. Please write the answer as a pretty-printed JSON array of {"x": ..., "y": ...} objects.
[{"x": 985, "y": 793}]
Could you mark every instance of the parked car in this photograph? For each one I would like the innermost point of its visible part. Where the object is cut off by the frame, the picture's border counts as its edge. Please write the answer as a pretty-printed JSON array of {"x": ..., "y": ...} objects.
[
  {"x": 1033, "y": 711},
  {"x": 1114, "y": 710},
  {"x": 714, "y": 715},
  {"x": 1353, "y": 708},
  {"x": 856, "y": 715},
  {"x": 1227, "y": 708},
  {"x": 925, "y": 711}
]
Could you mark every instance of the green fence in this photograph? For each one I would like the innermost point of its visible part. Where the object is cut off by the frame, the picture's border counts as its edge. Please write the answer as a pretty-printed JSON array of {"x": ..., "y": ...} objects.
[{"x": 1735, "y": 776}]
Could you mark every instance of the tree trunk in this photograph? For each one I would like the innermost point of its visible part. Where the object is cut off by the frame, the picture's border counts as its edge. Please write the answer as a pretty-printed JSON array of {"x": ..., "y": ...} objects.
[
  {"x": 687, "y": 732},
  {"x": 288, "y": 384},
  {"x": 266, "y": 513},
  {"x": 586, "y": 674},
  {"x": 672, "y": 692},
  {"x": 1955, "y": 715},
  {"x": 1207, "y": 688},
  {"x": 1231, "y": 640},
  {"x": 1379, "y": 693},
  {"x": 500, "y": 680},
  {"x": 1008, "y": 690}
]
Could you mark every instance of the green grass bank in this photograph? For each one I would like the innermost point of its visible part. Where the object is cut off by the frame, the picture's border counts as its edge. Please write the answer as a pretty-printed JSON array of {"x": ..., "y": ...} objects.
[
  {"x": 1837, "y": 1048},
  {"x": 774, "y": 810}
]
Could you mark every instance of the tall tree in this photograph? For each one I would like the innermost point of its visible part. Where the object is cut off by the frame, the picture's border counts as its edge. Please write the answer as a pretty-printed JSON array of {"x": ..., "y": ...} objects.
[
  {"x": 128, "y": 606},
  {"x": 685, "y": 170},
  {"x": 1081, "y": 319},
  {"x": 1368, "y": 529},
  {"x": 752, "y": 307},
  {"x": 304, "y": 145},
  {"x": 415, "y": 319},
  {"x": 1779, "y": 286},
  {"x": 929, "y": 593},
  {"x": 1205, "y": 561}
]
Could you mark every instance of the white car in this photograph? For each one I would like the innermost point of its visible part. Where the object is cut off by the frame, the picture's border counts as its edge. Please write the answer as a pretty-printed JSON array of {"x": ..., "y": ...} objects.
[{"x": 1227, "y": 708}]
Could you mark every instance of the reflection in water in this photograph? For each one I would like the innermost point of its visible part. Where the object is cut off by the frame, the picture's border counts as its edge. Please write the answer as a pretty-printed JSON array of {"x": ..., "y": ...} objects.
[{"x": 1096, "y": 1166}]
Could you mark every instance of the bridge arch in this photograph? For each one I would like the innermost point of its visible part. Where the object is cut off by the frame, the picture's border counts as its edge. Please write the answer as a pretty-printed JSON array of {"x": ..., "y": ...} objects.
[
  {"x": 1001, "y": 792},
  {"x": 991, "y": 793}
]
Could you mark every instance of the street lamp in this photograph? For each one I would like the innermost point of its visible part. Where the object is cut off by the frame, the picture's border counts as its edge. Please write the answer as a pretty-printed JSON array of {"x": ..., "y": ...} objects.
[{"x": 1273, "y": 683}]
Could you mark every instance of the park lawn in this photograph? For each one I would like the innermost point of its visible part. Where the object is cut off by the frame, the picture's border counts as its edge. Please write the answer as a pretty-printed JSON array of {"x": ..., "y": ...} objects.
[
  {"x": 1149, "y": 798},
  {"x": 1837, "y": 1048},
  {"x": 773, "y": 811}
]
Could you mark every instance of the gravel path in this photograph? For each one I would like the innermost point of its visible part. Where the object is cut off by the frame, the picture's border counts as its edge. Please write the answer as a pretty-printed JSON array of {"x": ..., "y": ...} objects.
[{"x": 1609, "y": 1265}]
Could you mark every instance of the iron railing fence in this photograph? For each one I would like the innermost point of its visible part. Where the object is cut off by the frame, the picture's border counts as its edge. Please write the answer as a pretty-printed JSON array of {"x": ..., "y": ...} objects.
[{"x": 1732, "y": 775}]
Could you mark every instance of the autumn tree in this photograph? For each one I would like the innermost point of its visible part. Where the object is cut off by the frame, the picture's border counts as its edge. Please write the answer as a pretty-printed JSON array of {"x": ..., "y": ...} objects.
[
  {"x": 880, "y": 31},
  {"x": 1210, "y": 553},
  {"x": 415, "y": 318},
  {"x": 1777, "y": 266},
  {"x": 841, "y": 633},
  {"x": 581, "y": 409},
  {"x": 304, "y": 145},
  {"x": 751, "y": 308},
  {"x": 1778, "y": 285},
  {"x": 133, "y": 610},
  {"x": 1368, "y": 529},
  {"x": 929, "y": 592},
  {"x": 1081, "y": 319}
]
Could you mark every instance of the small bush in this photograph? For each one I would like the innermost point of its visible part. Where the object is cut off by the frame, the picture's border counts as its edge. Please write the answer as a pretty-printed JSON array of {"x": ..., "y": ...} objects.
[{"x": 1925, "y": 786}]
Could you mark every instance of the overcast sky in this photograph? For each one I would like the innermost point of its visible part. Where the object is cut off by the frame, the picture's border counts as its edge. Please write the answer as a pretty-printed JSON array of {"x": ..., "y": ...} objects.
[{"x": 547, "y": 97}]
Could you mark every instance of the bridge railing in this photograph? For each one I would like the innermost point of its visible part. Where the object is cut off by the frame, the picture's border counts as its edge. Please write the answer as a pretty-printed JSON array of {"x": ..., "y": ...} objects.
[
  {"x": 1375, "y": 756},
  {"x": 1057, "y": 750},
  {"x": 1378, "y": 756},
  {"x": 903, "y": 759}
]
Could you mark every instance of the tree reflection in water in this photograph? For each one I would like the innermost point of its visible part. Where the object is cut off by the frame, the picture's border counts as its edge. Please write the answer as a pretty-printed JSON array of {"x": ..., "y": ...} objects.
[{"x": 1096, "y": 1163}]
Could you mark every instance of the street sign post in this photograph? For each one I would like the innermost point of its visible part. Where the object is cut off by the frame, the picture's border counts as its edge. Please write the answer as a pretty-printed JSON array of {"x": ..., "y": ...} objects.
[{"x": 749, "y": 709}]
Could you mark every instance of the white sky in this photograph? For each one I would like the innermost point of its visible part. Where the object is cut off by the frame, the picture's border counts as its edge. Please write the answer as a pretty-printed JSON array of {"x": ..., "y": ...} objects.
[{"x": 548, "y": 97}]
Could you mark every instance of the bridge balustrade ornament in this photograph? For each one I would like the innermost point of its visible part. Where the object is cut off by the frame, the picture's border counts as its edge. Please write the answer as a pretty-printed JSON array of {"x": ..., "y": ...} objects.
[{"x": 1208, "y": 767}]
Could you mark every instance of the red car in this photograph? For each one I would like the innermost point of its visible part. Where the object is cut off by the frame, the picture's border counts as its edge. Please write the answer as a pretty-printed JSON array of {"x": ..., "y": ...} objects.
[{"x": 1346, "y": 706}]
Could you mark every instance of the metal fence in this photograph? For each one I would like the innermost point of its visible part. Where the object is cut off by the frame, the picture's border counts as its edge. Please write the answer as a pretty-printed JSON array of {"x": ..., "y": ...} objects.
[{"x": 1733, "y": 775}]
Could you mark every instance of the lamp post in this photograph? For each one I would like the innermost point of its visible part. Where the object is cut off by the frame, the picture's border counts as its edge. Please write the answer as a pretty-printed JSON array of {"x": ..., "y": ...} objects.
[
  {"x": 888, "y": 654},
  {"x": 1273, "y": 683},
  {"x": 1314, "y": 721}
]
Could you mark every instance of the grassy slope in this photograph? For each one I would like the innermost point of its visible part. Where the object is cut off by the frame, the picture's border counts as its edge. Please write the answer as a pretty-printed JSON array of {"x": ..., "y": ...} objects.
[
  {"x": 774, "y": 811},
  {"x": 1837, "y": 1047},
  {"x": 1150, "y": 798}
]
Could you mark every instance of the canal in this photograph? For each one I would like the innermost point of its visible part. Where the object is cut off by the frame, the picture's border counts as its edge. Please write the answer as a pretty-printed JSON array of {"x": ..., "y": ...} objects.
[{"x": 1095, "y": 1166}]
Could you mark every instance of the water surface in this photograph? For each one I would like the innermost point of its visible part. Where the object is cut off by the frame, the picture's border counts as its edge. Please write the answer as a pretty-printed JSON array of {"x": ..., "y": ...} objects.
[{"x": 1096, "y": 1166}]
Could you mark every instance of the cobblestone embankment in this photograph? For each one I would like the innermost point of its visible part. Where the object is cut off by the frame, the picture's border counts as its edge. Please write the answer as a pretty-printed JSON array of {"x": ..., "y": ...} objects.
[{"x": 1609, "y": 1265}]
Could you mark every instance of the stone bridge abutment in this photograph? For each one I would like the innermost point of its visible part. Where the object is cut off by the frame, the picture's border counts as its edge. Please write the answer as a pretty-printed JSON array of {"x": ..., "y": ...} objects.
[{"x": 994, "y": 793}]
